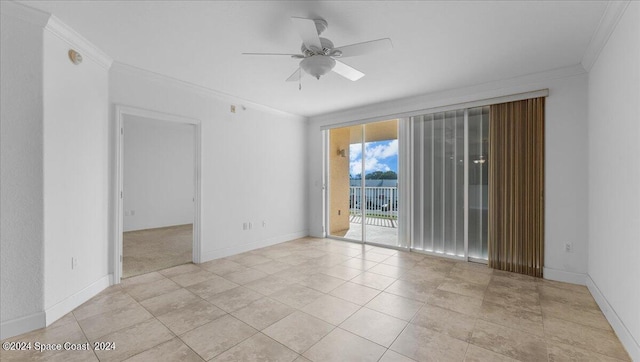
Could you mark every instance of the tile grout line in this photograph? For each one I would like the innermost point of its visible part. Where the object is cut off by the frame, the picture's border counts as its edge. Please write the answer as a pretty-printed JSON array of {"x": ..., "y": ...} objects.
[
  {"x": 185, "y": 343},
  {"x": 266, "y": 335},
  {"x": 159, "y": 321},
  {"x": 169, "y": 329},
  {"x": 319, "y": 267},
  {"x": 85, "y": 335},
  {"x": 123, "y": 328},
  {"x": 226, "y": 314}
]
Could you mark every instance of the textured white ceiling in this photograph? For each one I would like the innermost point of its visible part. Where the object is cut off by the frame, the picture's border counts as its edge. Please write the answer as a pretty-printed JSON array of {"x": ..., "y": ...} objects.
[{"x": 437, "y": 45}]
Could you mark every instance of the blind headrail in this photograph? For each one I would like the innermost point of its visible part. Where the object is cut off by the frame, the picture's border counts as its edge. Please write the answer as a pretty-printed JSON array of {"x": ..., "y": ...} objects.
[{"x": 471, "y": 104}]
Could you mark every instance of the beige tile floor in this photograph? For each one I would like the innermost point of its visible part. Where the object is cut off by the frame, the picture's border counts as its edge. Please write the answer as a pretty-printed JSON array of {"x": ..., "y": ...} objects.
[
  {"x": 150, "y": 250},
  {"x": 378, "y": 231},
  {"x": 324, "y": 300}
]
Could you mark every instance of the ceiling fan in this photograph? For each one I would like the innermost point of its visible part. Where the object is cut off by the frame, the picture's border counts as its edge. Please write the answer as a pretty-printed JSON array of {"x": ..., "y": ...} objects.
[{"x": 319, "y": 56}]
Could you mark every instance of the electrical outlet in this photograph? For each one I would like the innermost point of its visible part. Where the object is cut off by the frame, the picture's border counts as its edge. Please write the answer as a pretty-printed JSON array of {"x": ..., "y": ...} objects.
[
  {"x": 264, "y": 224},
  {"x": 74, "y": 263},
  {"x": 250, "y": 226},
  {"x": 233, "y": 109},
  {"x": 568, "y": 247}
]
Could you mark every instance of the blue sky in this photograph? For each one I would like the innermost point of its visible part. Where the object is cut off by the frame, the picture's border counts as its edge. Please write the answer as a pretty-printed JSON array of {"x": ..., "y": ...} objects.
[{"x": 379, "y": 156}]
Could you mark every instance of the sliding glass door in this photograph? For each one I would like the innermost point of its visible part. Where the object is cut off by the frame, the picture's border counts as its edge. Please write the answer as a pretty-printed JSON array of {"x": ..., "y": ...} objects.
[
  {"x": 450, "y": 183},
  {"x": 447, "y": 164},
  {"x": 478, "y": 140},
  {"x": 363, "y": 183}
]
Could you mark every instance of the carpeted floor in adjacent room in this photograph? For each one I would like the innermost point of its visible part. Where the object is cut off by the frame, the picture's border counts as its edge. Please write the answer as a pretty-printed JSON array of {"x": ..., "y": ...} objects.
[{"x": 155, "y": 249}]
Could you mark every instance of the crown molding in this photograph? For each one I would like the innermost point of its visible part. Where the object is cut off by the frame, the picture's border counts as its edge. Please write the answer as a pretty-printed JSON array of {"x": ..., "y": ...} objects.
[
  {"x": 396, "y": 107},
  {"x": 82, "y": 45},
  {"x": 198, "y": 89},
  {"x": 52, "y": 24},
  {"x": 608, "y": 22},
  {"x": 24, "y": 13}
]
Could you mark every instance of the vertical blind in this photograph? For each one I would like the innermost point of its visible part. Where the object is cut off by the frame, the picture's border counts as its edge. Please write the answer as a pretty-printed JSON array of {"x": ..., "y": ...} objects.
[
  {"x": 449, "y": 191},
  {"x": 516, "y": 186},
  {"x": 439, "y": 183}
]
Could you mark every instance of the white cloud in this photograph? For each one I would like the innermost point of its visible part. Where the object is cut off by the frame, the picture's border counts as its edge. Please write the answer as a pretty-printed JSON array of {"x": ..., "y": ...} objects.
[
  {"x": 374, "y": 155},
  {"x": 355, "y": 167},
  {"x": 355, "y": 151},
  {"x": 383, "y": 150}
]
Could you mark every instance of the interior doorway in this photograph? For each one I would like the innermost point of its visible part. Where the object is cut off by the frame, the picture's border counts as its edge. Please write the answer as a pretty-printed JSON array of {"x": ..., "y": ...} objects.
[
  {"x": 158, "y": 185},
  {"x": 158, "y": 192}
]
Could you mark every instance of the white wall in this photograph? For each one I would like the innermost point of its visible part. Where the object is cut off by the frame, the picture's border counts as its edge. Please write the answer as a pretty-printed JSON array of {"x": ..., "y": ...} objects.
[
  {"x": 54, "y": 170},
  {"x": 614, "y": 179},
  {"x": 21, "y": 195},
  {"x": 252, "y": 163},
  {"x": 159, "y": 173},
  {"x": 76, "y": 182},
  {"x": 565, "y": 157}
]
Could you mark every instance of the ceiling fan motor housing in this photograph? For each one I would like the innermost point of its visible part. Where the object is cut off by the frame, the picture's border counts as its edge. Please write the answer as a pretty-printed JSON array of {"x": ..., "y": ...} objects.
[{"x": 327, "y": 46}]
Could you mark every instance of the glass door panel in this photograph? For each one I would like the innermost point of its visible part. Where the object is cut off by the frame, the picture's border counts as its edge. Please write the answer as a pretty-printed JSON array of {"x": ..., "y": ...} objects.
[
  {"x": 421, "y": 208},
  {"x": 458, "y": 160},
  {"x": 363, "y": 182},
  {"x": 478, "y": 181},
  {"x": 450, "y": 172},
  {"x": 436, "y": 184},
  {"x": 380, "y": 166}
]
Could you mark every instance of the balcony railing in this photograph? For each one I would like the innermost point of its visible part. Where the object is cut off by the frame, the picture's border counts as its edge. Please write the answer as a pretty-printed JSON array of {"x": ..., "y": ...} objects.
[{"x": 379, "y": 202}]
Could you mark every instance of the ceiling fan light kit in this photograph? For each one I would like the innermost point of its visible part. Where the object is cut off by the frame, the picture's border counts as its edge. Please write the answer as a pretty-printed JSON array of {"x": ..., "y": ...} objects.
[
  {"x": 317, "y": 65},
  {"x": 319, "y": 54}
]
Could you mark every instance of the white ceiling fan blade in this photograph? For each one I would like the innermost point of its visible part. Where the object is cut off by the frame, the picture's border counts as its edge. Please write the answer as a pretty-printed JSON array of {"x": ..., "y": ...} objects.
[
  {"x": 295, "y": 76},
  {"x": 365, "y": 47},
  {"x": 291, "y": 55},
  {"x": 308, "y": 32},
  {"x": 347, "y": 71}
]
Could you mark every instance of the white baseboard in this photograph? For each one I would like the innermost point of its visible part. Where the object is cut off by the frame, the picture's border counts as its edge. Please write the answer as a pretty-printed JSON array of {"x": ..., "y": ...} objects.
[
  {"x": 21, "y": 325},
  {"x": 626, "y": 338},
  {"x": 564, "y": 276},
  {"x": 72, "y": 302},
  {"x": 221, "y": 253}
]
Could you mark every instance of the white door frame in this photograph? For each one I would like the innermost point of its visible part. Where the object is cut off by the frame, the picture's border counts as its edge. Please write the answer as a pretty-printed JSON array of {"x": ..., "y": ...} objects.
[{"x": 120, "y": 112}]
